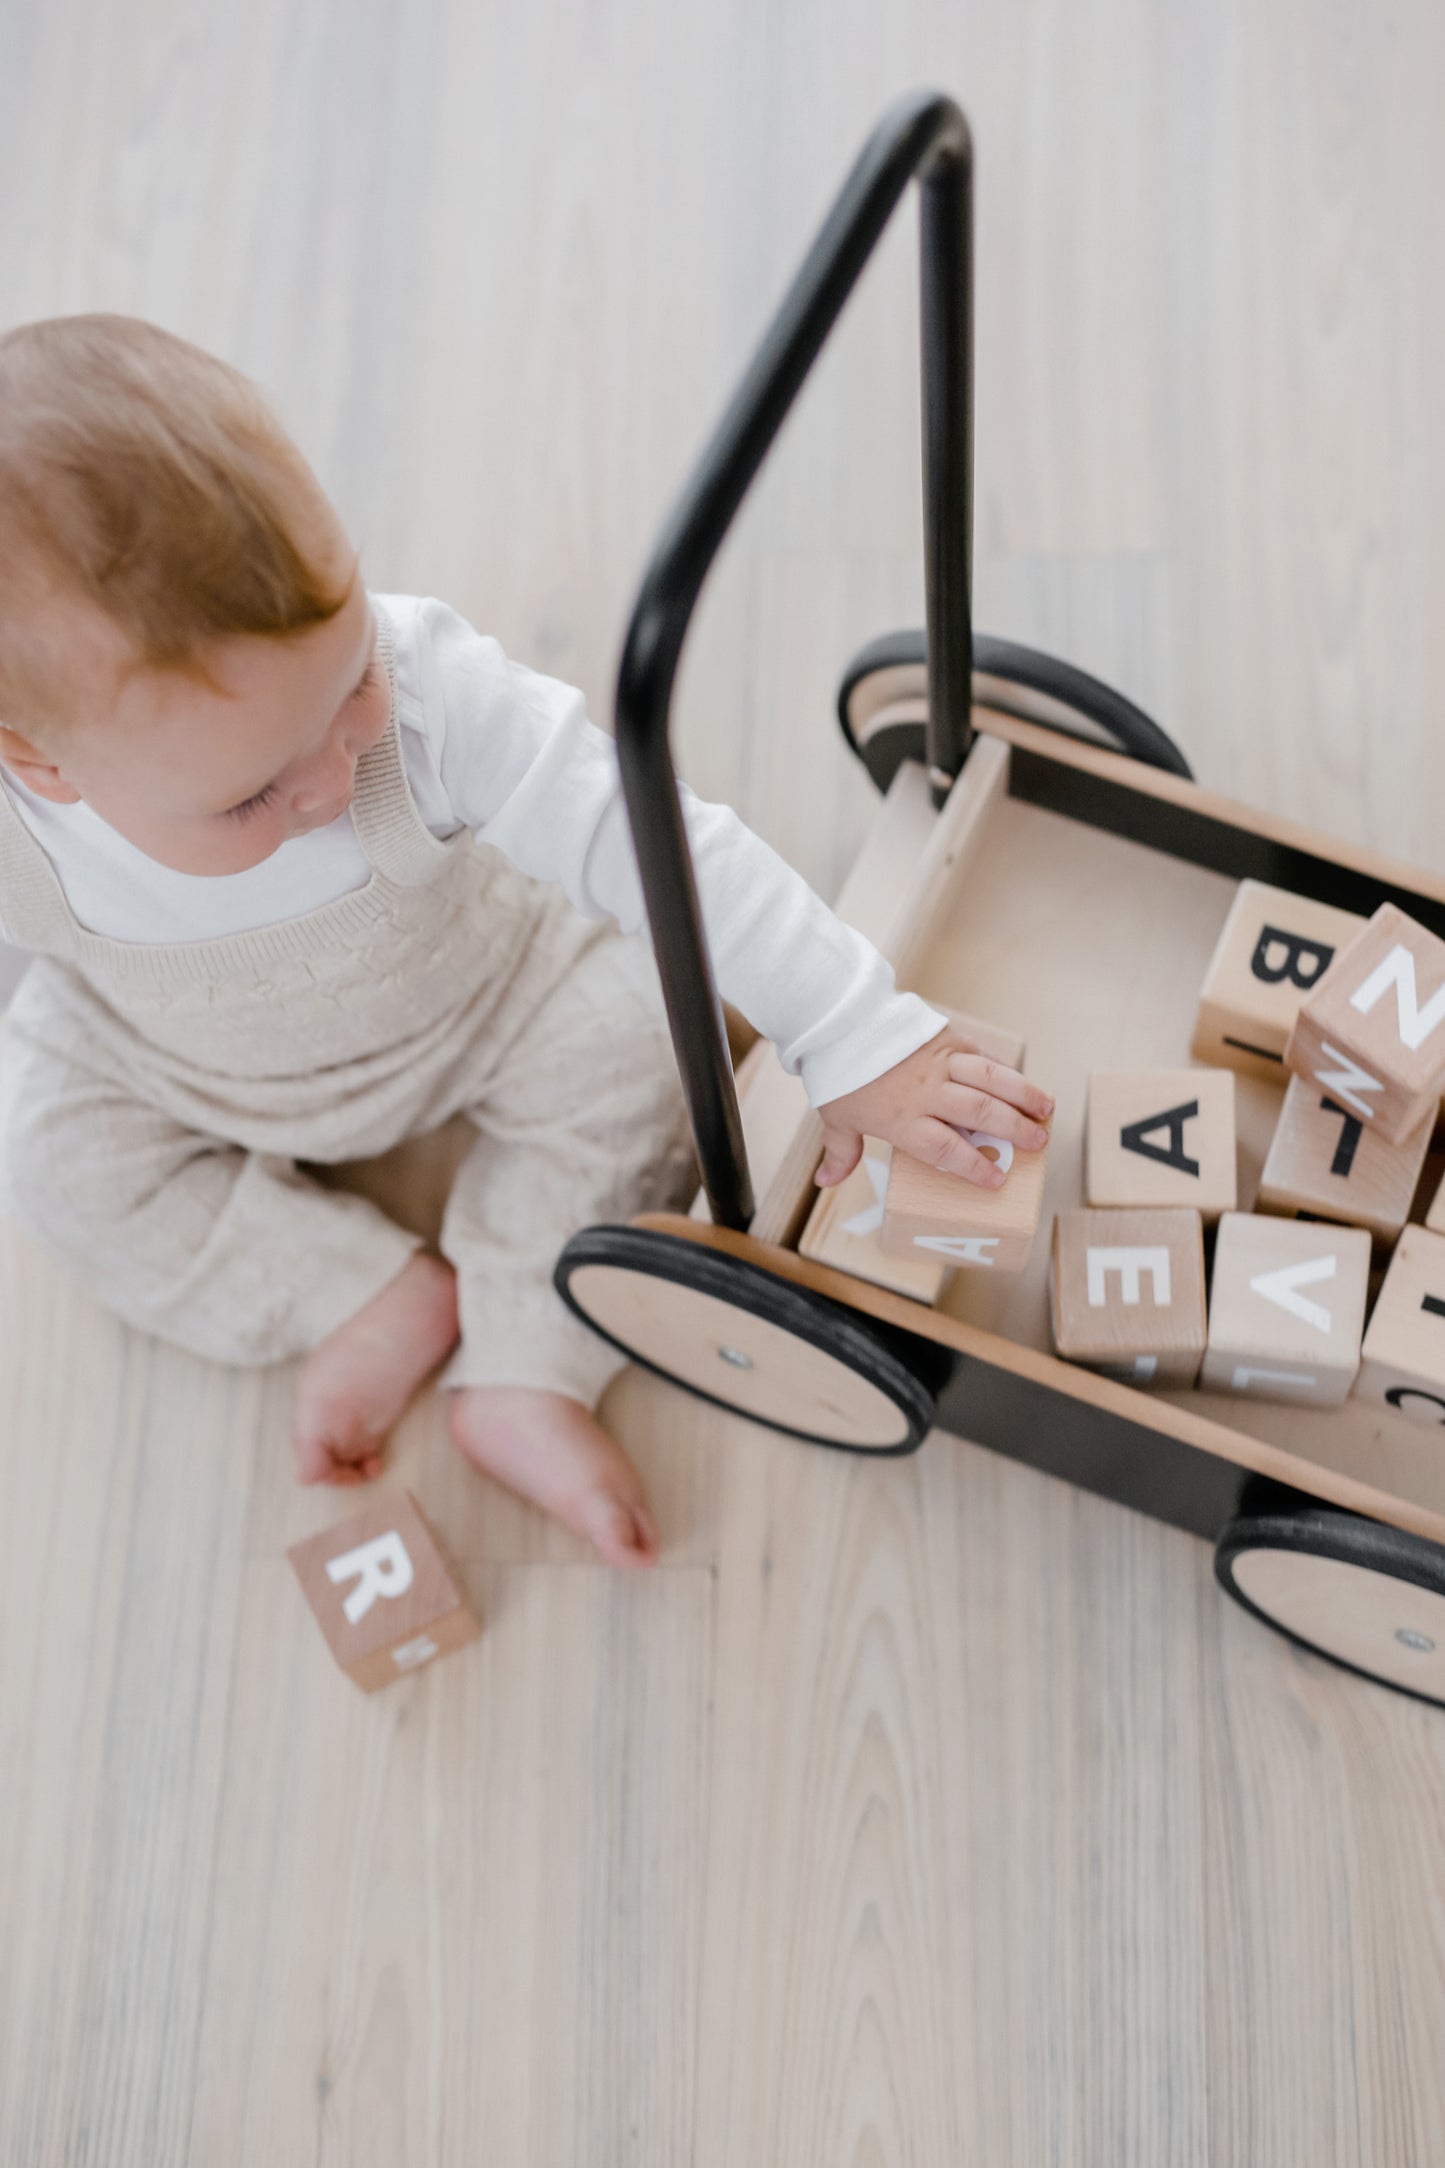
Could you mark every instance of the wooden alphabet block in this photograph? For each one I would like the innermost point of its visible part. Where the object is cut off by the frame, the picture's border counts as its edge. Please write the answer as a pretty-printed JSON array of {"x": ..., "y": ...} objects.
[
  {"x": 941, "y": 1215},
  {"x": 1127, "y": 1294},
  {"x": 1161, "y": 1137},
  {"x": 382, "y": 1593},
  {"x": 846, "y": 1223},
  {"x": 1286, "y": 1309},
  {"x": 1324, "y": 1163},
  {"x": 1372, "y": 1034},
  {"x": 1403, "y": 1364},
  {"x": 1274, "y": 949}
]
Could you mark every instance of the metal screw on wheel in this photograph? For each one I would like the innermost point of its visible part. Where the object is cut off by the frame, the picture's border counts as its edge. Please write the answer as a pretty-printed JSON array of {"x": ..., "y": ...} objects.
[
  {"x": 1363, "y": 1595},
  {"x": 737, "y": 1335}
]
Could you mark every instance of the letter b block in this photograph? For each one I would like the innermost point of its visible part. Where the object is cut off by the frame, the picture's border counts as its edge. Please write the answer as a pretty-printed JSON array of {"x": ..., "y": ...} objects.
[
  {"x": 1372, "y": 1034},
  {"x": 1128, "y": 1293},
  {"x": 1274, "y": 950},
  {"x": 1161, "y": 1137},
  {"x": 1404, "y": 1351},
  {"x": 382, "y": 1593},
  {"x": 1287, "y": 1309}
]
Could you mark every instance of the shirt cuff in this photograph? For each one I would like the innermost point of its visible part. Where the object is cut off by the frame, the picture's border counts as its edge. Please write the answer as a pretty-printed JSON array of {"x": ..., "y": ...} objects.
[{"x": 904, "y": 1025}]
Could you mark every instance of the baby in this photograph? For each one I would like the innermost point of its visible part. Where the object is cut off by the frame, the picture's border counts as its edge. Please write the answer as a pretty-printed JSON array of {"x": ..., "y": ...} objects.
[{"x": 308, "y": 869}]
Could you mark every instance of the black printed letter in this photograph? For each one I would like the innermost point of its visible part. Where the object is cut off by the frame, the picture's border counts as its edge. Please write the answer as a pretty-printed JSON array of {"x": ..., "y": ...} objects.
[
  {"x": 1296, "y": 951},
  {"x": 1133, "y": 1134}
]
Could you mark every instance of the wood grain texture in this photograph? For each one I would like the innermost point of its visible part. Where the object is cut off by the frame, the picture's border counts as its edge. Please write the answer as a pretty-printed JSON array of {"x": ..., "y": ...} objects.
[{"x": 909, "y": 1813}]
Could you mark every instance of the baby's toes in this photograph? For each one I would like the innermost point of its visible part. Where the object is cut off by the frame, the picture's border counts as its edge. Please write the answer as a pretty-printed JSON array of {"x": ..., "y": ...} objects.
[{"x": 623, "y": 1533}]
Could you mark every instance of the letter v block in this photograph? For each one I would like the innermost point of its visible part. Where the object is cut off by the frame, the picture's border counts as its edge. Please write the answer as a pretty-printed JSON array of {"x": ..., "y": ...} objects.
[
  {"x": 1286, "y": 1309},
  {"x": 382, "y": 1592},
  {"x": 1161, "y": 1137},
  {"x": 1127, "y": 1294},
  {"x": 1404, "y": 1351},
  {"x": 1274, "y": 949},
  {"x": 928, "y": 1214},
  {"x": 1372, "y": 1034}
]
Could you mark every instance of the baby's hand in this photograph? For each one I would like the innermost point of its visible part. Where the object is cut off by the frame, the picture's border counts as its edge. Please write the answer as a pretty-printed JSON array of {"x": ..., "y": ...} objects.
[{"x": 920, "y": 1105}]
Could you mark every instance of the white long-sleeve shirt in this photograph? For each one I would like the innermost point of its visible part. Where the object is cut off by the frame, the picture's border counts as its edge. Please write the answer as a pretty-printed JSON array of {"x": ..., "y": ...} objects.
[{"x": 495, "y": 747}]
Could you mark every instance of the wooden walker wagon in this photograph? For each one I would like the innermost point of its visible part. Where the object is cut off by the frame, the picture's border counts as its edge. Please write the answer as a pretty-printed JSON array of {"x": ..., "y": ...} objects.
[{"x": 1041, "y": 856}]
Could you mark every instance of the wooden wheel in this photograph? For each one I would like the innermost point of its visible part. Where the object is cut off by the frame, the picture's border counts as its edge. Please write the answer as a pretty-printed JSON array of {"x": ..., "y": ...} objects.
[
  {"x": 1367, "y": 1597},
  {"x": 736, "y": 1335}
]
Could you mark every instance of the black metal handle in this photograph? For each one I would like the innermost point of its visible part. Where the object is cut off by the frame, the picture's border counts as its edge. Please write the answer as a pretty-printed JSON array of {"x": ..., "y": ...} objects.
[{"x": 925, "y": 135}]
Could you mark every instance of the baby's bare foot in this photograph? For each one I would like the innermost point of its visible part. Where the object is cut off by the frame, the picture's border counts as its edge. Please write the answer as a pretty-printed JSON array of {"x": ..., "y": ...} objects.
[
  {"x": 547, "y": 1447},
  {"x": 354, "y": 1387}
]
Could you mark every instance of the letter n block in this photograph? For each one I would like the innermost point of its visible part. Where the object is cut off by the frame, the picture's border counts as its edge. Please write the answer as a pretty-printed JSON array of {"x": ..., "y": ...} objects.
[
  {"x": 1404, "y": 1351},
  {"x": 1128, "y": 1293},
  {"x": 1372, "y": 1034},
  {"x": 1286, "y": 1309},
  {"x": 1274, "y": 949},
  {"x": 1324, "y": 1163},
  {"x": 382, "y": 1592},
  {"x": 1161, "y": 1137},
  {"x": 942, "y": 1216}
]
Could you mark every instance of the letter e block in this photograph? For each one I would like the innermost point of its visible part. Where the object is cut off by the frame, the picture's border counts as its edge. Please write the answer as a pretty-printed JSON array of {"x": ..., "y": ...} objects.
[
  {"x": 382, "y": 1593},
  {"x": 1161, "y": 1137},
  {"x": 1274, "y": 950},
  {"x": 1325, "y": 1164},
  {"x": 1287, "y": 1309},
  {"x": 1372, "y": 1034},
  {"x": 928, "y": 1214},
  {"x": 1404, "y": 1351},
  {"x": 1128, "y": 1293}
]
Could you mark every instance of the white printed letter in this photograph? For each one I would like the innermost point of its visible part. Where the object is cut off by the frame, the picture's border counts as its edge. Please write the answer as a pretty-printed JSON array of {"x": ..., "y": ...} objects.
[
  {"x": 1398, "y": 970},
  {"x": 959, "y": 1249},
  {"x": 1348, "y": 1082},
  {"x": 1280, "y": 1287},
  {"x": 1128, "y": 1263},
  {"x": 385, "y": 1568}
]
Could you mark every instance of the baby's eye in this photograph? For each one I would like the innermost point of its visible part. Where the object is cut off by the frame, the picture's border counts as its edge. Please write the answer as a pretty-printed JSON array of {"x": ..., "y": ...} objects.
[{"x": 244, "y": 811}]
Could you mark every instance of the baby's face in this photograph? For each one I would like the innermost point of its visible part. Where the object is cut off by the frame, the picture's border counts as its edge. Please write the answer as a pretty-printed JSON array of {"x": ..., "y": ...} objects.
[{"x": 215, "y": 782}]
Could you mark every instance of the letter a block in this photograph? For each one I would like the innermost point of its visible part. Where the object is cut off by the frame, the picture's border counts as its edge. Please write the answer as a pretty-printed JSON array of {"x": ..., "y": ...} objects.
[
  {"x": 1287, "y": 1309},
  {"x": 1372, "y": 1034},
  {"x": 382, "y": 1593},
  {"x": 928, "y": 1214},
  {"x": 1325, "y": 1164},
  {"x": 1128, "y": 1293},
  {"x": 1161, "y": 1137},
  {"x": 846, "y": 1224},
  {"x": 1274, "y": 950},
  {"x": 1404, "y": 1351}
]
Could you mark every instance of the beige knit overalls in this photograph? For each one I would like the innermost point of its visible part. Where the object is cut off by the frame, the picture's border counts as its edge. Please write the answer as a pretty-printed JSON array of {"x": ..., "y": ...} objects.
[{"x": 154, "y": 1100}]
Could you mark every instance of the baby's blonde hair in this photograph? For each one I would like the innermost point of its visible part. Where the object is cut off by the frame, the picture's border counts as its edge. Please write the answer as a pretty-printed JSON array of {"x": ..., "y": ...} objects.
[{"x": 147, "y": 477}]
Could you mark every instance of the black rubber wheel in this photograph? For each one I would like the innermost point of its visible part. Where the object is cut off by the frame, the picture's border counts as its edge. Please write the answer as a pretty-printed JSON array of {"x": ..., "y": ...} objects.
[
  {"x": 884, "y": 696},
  {"x": 734, "y": 1334},
  {"x": 1365, "y": 1596}
]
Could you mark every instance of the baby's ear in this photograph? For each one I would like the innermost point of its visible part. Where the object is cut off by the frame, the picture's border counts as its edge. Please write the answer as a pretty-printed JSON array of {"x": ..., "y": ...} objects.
[{"x": 36, "y": 772}]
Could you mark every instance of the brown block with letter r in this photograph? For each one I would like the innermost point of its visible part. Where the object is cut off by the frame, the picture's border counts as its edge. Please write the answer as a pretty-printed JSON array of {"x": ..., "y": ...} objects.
[
  {"x": 1372, "y": 1034},
  {"x": 383, "y": 1594},
  {"x": 1127, "y": 1293},
  {"x": 1274, "y": 949}
]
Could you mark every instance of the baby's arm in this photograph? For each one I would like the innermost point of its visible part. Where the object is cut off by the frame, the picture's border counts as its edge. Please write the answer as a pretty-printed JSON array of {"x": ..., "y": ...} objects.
[{"x": 529, "y": 773}]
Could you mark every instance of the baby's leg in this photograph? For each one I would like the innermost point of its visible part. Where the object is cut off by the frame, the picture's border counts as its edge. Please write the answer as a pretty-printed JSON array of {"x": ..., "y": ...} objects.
[
  {"x": 234, "y": 1255},
  {"x": 582, "y": 1121}
]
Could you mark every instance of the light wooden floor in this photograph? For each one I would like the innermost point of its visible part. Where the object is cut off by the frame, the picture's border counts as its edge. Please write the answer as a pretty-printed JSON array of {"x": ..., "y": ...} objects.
[{"x": 924, "y": 1813}]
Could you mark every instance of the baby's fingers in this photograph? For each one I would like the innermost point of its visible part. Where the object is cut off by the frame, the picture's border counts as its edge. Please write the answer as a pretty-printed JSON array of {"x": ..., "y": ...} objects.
[
  {"x": 968, "y": 1108},
  {"x": 942, "y": 1147},
  {"x": 995, "y": 1080}
]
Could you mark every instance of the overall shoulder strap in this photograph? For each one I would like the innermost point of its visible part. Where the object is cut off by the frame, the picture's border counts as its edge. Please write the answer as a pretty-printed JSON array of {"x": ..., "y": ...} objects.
[{"x": 389, "y": 827}]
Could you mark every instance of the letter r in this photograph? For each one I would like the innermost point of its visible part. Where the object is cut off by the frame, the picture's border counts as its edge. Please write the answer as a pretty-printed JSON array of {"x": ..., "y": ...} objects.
[{"x": 385, "y": 1569}]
